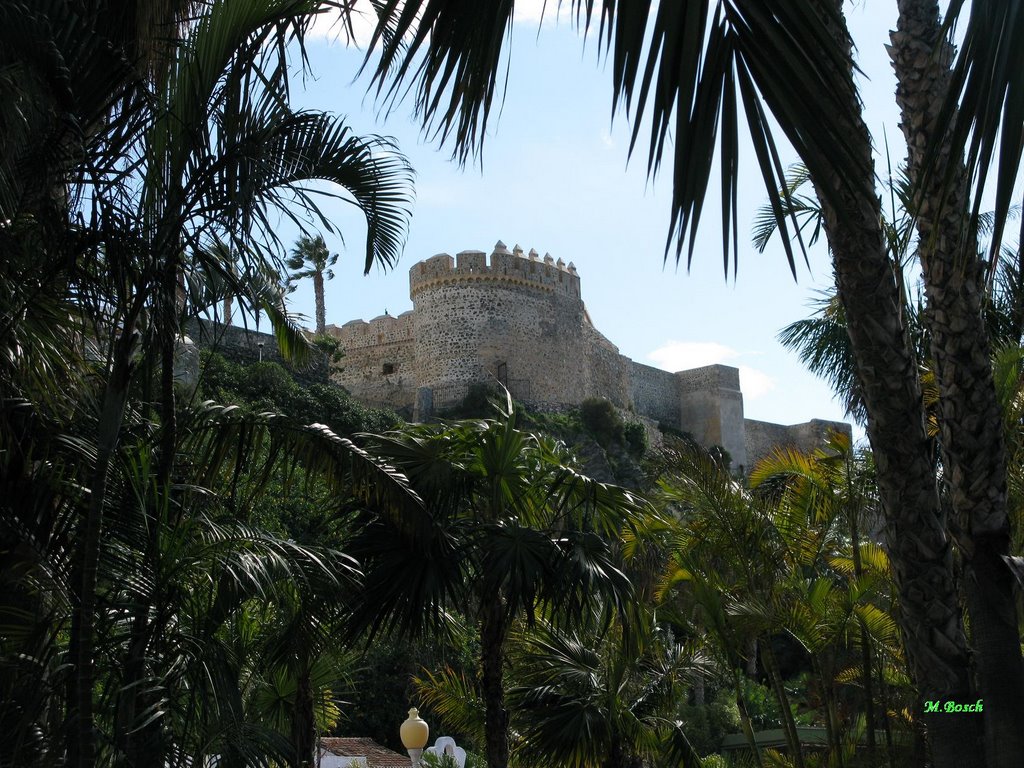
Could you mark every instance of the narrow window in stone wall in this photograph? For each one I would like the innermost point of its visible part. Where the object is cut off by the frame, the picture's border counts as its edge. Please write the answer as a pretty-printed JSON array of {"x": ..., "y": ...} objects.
[{"x": 389, "y": 368}]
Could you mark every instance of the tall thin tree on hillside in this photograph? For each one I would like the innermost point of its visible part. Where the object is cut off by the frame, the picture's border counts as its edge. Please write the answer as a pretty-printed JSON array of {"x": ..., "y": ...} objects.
[{"x": 310, "y": 258}]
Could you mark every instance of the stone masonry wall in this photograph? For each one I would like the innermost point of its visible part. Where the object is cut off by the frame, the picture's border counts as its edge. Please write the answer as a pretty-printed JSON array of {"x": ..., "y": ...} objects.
[
  {"x": 711, "y": 409},
  {"x": 655, "y": 393},
  {"x": 379, "y": 362},
  {"x": 763, "y": 437},
  {"x": 606, "y": 373}
]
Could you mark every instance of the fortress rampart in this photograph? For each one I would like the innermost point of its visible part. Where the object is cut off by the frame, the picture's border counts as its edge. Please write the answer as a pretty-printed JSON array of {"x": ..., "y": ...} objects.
[
  {"x": 508, "y": 268},
  {"x": 519, "y": 319}
]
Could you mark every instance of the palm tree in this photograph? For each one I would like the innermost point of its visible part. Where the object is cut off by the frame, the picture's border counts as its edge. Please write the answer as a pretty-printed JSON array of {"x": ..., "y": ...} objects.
[
  {"x": 515, "y": 531},
  {"x": 729, "y": 560},
  {"x": 694, "y": 66},
  {"x": 310, "y": 258},
  {"x": 114, "y": 174},
  {"x": 605, "y": 704},
  {"x": 829, "y": 487},
  {"x": 786, "y": 559},
  {"x": 582, "y": 696}
]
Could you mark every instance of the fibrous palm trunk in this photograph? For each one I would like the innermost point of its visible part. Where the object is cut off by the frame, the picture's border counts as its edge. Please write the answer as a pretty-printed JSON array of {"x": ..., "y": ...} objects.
[
  {"x": 493, "y": 629},
  {"x": 970, "y": 419},
  {"x": 321, "y": 310},
  {"x": 304, "y": 720},
  {"x": 919, "y": 548}
]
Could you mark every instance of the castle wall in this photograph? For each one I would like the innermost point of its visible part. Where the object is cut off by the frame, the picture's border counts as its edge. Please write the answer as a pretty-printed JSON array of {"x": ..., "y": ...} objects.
[
  {"x": 606, "y": 372},
  {"x": 711, "y": 409},
  {"x": 379, "y": 362},
  {"x": 655, "y": 393},
  {"x": 519, "y": 319},
  {"x": 763, "y": 437}
]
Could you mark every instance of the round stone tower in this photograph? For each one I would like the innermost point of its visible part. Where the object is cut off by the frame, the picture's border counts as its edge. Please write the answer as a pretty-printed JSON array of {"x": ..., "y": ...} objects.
[{"x": 517, "y": 319}]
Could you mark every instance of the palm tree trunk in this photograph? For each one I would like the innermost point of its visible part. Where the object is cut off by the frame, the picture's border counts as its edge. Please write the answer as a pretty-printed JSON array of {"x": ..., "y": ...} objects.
[
  {"x": 81, "y": 745},
  {"x": 867, "y": 673},
  {"x": 786, "y": 712},
  {"x": 970, "y": 422},
  {"x": 930, "y": 618},
  {"x": 748, "y": 729},
  {"x": 833, "y": 729},
  {"x": 493, "y": 630},
  {"x": 883, "y": 696},
  {"x": 321, "y": 309},
  {"x": 615, "y": 757},
  {"x": 304, "y": 722}
]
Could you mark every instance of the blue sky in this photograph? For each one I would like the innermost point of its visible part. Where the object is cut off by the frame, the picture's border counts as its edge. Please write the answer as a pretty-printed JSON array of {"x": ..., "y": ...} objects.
[{"x": 555, "y": 177}]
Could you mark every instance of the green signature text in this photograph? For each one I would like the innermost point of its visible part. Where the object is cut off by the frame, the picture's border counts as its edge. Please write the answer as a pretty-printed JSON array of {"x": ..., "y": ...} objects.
[{"x": 935, "y": 706}]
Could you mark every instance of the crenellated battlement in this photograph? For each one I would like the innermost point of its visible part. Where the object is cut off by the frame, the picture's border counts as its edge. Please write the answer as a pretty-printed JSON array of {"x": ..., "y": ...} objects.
[
  {"x": 513, "y": 267},
  {"x": 383, "y": 329}
]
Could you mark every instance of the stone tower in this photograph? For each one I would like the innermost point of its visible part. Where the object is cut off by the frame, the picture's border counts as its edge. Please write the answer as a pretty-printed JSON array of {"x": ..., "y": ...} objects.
[{"x": 517, "y": 319}]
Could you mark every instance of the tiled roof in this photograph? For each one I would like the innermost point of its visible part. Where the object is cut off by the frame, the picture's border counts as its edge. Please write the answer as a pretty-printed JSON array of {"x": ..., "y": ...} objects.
[{"x": 376, "y": 755}]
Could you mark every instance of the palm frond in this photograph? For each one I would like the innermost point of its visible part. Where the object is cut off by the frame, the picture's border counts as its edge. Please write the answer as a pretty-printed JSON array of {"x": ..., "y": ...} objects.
[
  {"x": 456, "y": 700},
  {"x": 823, "y": 344},
  {"x": 985, "y": 103},
  {"x": 682, "y": 66}
]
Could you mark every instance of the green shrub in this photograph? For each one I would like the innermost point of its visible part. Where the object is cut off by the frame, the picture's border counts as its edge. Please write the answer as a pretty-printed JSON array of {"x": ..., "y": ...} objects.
[
  {"x": 562, "y": 426},
  {"x": 668, "y": 429},
  {"x": 331, "y": 349},
  {"x": 269, "y": 381},
  {"x": 432, "y": 760},
  {"x": 762, "y": 706},
  {"x": 602, "y": 420},
  {"x": 714, "y": 761},
  {"x": 477, "y": 401},
  {"x": 268, "y": 386},
  {"x": 706, "y": 725},
  {"x": 636, "y": 438}
]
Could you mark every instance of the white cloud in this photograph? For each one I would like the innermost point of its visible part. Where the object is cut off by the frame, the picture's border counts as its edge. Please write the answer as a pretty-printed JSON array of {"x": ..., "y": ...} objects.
[
  {"x": 682, "y": 355},
  {"x": 535, "y": 11},
  {"x": 755, "y": 383}
]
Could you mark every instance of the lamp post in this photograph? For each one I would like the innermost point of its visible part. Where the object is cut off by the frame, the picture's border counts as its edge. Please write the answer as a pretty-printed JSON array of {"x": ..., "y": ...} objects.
[{"x": 414, "y": 733}]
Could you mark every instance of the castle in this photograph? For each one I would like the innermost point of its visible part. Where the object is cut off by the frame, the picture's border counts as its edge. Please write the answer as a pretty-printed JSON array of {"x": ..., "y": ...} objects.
[{"x": 519, "y": 319}]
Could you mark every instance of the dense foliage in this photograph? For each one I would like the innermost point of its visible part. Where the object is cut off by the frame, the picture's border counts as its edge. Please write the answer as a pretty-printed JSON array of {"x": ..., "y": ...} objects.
[{"x": 197, "y": 575}]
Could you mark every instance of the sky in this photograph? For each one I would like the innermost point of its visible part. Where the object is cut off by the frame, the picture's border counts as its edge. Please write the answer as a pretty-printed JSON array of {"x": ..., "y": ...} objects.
[{"x": 554, "y": 176}]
